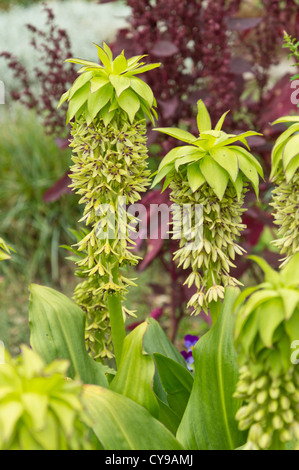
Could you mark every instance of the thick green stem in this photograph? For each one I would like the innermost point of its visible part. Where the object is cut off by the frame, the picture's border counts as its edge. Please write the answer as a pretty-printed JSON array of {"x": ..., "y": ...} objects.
[{"x": 118, "y": 331}]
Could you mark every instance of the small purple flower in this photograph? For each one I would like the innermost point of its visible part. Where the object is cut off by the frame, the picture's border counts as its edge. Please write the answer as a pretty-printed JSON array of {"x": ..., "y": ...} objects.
[{"x": 190, "y": 341}]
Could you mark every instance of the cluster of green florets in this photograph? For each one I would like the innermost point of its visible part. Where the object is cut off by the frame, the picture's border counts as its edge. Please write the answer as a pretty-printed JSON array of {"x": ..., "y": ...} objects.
[
  {"x": 213, "y": 172},
  {"x": 211, "y": 257},
  {"x": 271, "y": 412},
  {"x": 109, "y": 173},
  {"x": 285, "y": 197},
  {"x": 39, "y": 408},
  {"x": 266, "y": 327}
]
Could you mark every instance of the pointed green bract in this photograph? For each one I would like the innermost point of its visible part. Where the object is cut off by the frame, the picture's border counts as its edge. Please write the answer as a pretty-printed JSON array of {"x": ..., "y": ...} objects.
[
  {"x": 120, "y": 73},
  {"x": 216, "y": 144}
]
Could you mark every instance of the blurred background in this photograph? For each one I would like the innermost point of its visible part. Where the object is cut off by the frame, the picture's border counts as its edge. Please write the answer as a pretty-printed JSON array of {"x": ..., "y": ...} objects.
[{"x": 228, "y": 53}]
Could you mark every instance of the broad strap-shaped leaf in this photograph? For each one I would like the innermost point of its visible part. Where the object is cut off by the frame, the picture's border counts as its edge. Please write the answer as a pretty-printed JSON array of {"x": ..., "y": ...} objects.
[
  {"x": 77, "y": 101},
  {"x": 121, "y": 424},
  {"x": 176, "y": 381},
  {"x": 209, "y": 420},
  {"x": 136, "y": 372},
  {"x": 156, "y": 341},
  {"x": 58, "y": 330}
]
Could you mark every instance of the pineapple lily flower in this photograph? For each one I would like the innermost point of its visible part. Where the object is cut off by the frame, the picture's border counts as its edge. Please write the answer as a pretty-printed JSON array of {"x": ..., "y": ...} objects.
[
  {"x": 267, "y": 320},
  {"x": 108, "y": 105},
  {"x": 284, "y": 175},
  {"x": 213, "y": 171}
]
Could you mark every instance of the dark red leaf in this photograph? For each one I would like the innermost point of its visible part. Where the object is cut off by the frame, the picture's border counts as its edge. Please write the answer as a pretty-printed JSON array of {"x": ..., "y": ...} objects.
[
  {"x": 164, "y": 48},
  {"x": 242, "y": 24},
  {"x": 58, "y": 189}
]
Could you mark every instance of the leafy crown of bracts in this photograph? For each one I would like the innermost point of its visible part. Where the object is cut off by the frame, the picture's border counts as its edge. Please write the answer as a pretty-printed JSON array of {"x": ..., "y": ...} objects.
[
  {"x": 104, "y": 89},
  {"x": 211, "y": 158},
  {"x": 285, "y": 153}
]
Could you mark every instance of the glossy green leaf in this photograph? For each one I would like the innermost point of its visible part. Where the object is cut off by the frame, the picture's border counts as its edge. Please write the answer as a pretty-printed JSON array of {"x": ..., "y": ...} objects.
[
  {"x": 79, "y": 82},
  {"x": 194, "y": 157},
  {"x": 292, "y": 168},
  {"x": 178, "y": 152},
  {"x": 104, "y": 58},
  {"x": 161, "y": 174},
  {"x": 285, "y": 119},
  {"x": 142, "y": 89},
  {"x": 226, "y": 158},
  {"x": 203, "y": 117},
  {"x": 238, "y": 185},
  {"x": 136, "y": 372},
  {"x": 129, "y": 102},
  {"x": 209, "y": 420},
  {"x": 290, "y": 298},
  {"x": 215, "y": 175},
  {"x": 195, "y": 176},
  {"x": 292, "y": 326},
  {"x": 119, "y": 83},
  {"x": 98, "y": 82},
  {"x": 249, "y": 157},
  {"x": 145, "y": 68},
  {"x": 219, "y": 124},
  {"x": 63, "y": 98},
  {"x": 271, "y": 314},
  {"x": 291, "y": 149},
  {"x": 97, "y": 100},
  {"x": 78, "y": 100},
  {"x": 119, "y": 64},
  {"x": 58, "y": 331},
  {"x": 249, "y": 171},
  {"x": 176, "y": 381},
  {"x": 121, "y": 424}
]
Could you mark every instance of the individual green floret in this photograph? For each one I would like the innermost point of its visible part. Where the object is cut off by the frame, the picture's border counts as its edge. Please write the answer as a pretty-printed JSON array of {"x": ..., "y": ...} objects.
[
  {"x": 109, "y": 105},
  {"x": 285, "y": 176},
  {"x": 211, "y": 172},
  {"x": 267, "y": 324},
  {"x": 39, "y": 408}
]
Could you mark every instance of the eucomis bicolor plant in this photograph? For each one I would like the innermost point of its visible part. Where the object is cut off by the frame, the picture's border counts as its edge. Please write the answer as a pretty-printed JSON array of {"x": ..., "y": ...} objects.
[
  {"x": 211, "y": 170},
  {"x": 107, "y": 107},
  {"x": 285, "y": 176},
  {"x": 267, "y": 325}
]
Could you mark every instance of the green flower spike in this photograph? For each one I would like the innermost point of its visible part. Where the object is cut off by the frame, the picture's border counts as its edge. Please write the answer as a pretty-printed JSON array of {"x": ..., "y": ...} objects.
[
  {"x": 109, "y": 105},
  {"x": 212, "y": 171},
  {"x": 267, "y": 324},
  {"x": 39, "y": 408},
  {"x": 285, "y": 176}
]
